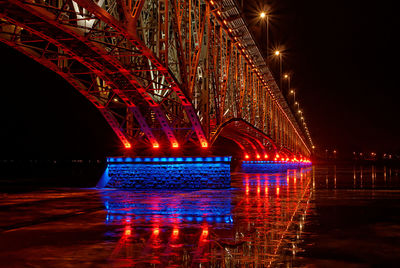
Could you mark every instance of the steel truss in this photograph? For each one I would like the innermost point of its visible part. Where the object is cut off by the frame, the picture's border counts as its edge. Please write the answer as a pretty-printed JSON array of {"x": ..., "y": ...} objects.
[{"x": 160, "y": 71}]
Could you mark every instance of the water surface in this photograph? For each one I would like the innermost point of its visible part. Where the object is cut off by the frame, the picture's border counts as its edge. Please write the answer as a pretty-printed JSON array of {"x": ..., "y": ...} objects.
[{"x": 321, "y": 216}]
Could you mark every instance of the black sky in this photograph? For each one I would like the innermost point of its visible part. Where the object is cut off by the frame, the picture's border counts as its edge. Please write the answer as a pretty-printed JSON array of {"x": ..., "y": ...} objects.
[
  {"x": 343, "y": 56},
  {"x": 344, "y": 59}
]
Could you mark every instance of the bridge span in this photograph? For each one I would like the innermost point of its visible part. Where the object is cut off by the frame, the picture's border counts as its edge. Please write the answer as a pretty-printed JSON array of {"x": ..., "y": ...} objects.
[{"x": 171, "y": 77}]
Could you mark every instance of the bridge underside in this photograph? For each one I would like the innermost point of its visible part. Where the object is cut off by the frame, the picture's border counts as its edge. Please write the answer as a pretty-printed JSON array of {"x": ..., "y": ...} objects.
[{"x": 170, "y": 77}]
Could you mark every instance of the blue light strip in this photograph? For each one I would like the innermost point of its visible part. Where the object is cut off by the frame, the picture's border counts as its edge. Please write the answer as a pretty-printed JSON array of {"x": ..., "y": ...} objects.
[{"x": 213, "y": 159}]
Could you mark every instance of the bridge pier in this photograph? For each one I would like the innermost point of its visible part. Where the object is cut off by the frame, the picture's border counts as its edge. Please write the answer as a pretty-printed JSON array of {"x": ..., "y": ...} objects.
[
  {"x": 271, "y": 166},
  {"x": 167, "y": 173}
]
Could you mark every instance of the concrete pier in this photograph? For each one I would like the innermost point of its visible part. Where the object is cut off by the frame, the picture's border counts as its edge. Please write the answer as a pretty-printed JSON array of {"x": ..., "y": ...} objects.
[{"x": 167, "y": 173}]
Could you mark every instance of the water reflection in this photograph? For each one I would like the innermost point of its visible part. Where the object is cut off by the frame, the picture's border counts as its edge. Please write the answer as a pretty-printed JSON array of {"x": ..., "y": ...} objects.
[
  {"x": 258, "y": 222},
  {"x": 363, "y": 177}
]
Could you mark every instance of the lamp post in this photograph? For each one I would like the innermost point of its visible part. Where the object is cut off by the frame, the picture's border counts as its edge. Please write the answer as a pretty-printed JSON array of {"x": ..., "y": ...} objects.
[
  {"x": 279, "y": 54},
  {"x": 288, "y": 79},
  {"x": 292, "y": 91},
  {"x": 264, "y": 16}
]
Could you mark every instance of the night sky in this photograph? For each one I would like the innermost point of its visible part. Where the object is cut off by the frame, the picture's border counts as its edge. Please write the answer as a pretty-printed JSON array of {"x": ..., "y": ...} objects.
[{"x": 343, "y": 57}]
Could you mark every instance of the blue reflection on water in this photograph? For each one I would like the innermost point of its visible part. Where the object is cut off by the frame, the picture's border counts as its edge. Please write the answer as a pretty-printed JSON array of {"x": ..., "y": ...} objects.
[{"x": 168, "y": 206}]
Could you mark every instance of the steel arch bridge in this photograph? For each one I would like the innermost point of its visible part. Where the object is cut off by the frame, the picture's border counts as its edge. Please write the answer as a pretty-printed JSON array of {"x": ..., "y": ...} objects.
[{"x": 171, "y": 76}]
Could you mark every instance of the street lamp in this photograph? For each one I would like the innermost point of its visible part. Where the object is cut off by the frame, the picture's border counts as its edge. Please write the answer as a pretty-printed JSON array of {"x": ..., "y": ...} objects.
[
  {"x": 294, "y": 96},
  {"x": 279, "y": 54},
  {"x": 288, "y": 79},
  {"x": 264, "y": 16}
]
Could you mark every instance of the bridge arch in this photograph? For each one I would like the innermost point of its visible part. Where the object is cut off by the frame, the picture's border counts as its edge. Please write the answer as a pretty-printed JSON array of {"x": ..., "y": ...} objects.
[{"x": 237, "y": 129}]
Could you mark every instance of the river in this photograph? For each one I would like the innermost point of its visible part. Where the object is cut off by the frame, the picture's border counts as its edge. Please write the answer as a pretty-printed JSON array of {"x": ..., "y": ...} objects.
[{"x": 322, "y": 216}]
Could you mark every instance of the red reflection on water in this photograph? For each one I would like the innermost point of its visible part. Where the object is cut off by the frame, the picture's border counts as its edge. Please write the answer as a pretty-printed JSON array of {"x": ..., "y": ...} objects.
[
  {"x": 156, "y": 231},
  {"x": 175, "y": 232},
  {"x": 186, "y": 229}
]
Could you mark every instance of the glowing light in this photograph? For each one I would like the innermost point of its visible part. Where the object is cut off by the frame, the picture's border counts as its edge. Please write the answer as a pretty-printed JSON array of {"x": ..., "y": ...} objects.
[
  {"x": 277, "y": 52},
  {"x": 266, "y": 156},
  {"x": 258, "y": 156},
  {"x": 277, "y": 190},
  {"x": 127, "y": 145},
  {"x": 212, "y": 2},
  {"x": 156, "y": 231},
  {"x": 263, "y": 15},
  {"x": 156, "y": 145},
  {"x": 204, "y": 144},
  {"x": 277, "y": 156},
  {"x": 128, "y": 232},
  {"x": 175, "y": 232},
  {"x": 175, "y": 145},
  {"x": 205, "y": 233},
  {"x": 246, "y": 156}
]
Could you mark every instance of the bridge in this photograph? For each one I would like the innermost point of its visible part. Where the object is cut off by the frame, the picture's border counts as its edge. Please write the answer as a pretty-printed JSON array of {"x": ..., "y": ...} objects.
[{"x": 171, "y": 77}]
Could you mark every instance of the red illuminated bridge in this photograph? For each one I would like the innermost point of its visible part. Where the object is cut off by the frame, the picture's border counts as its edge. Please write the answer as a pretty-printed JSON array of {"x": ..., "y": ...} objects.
[{"x": 169, "y": 76}]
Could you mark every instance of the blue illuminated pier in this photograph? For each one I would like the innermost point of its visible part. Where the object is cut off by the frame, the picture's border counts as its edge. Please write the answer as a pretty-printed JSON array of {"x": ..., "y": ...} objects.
[
  {"x": 167, "y": 173},
  {"x": 271, "y": 166}
]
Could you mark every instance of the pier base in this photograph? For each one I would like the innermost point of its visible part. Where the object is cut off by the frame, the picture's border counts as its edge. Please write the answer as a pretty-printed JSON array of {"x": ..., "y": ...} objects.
[
  {"x": 271, "y": 166},
  {"x": 167, "y": 173}
]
